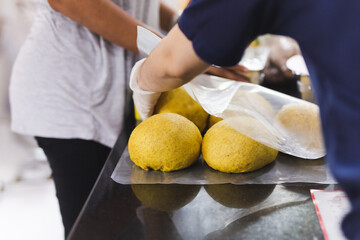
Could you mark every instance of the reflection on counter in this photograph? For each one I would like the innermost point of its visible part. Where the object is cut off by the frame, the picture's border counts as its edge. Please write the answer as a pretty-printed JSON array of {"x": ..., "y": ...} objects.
[
  {"x": 239, "y": 196},
  {"x": 294, "y": 220},
  {"x": 204, "y": 216},
  {"x": 165, "y": 197},
  {"x": 221, "y": 207},
  {"x": 283, "y": 222}
]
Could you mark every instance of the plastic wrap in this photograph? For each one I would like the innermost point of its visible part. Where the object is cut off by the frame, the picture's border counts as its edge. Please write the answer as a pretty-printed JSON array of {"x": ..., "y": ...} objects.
[
  {"x": 277, "y": 120},
  {"x": 285, "y": 169}
]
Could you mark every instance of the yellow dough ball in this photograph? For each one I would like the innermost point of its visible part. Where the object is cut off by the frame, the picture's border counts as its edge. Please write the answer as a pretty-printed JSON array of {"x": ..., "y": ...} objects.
[
  {"x": 165, "y": 197},
  {"x": 213, "y": 120},
  {"x": 261, "y": 105},
  {"x": 301, "y": 121},
  {"x": 178, "y": 101},
  {"x": 253, "y": 102},
  {"x": 227, "y": 150},
  {"x": 165, "y": 142}
]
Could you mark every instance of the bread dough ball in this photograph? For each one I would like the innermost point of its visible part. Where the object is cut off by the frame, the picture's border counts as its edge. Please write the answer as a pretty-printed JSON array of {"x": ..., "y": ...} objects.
[
  {"x": 227, "y": 150},
  {"x": 178, "y": 101},
  {"x": 165, "y": 142},
  {"x": 239, "y": 196},
  {"x": 260, "y": 104},
  {"x": 165, "y": 197},
  {"x": 300, "y": 122},
  {"x": 213, "y": 120},
  {"x": 251, "y": 101}
]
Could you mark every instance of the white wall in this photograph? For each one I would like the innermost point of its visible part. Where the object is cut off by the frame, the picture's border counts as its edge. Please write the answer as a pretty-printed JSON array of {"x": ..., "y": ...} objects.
[{"x": 176, "y": 4}]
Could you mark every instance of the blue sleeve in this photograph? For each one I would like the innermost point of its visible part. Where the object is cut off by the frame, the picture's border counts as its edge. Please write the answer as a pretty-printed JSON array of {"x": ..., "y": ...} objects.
[{"x": 220, "y": 38}]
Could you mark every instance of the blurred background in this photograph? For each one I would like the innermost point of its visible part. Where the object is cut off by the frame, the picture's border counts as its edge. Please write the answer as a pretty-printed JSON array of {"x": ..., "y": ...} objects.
[{"x": 28, "y": 205}]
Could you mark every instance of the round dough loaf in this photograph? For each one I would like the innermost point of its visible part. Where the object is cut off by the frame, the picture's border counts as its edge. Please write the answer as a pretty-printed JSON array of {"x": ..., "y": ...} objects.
[
  {"x": 213, "y": 120},
  {"x": 227, "y": 150},
  {"x": 178, "y": 101},
  {"x": 300, "y": 122},
  {"x": 165, "y": 142},
  {"x": 253, "y": 102}
]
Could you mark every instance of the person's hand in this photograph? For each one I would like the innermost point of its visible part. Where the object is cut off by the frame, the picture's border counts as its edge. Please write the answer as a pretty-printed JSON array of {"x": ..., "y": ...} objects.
[
  {"x": 144, "y": 101},
  {"x": 235, "y": 73}
]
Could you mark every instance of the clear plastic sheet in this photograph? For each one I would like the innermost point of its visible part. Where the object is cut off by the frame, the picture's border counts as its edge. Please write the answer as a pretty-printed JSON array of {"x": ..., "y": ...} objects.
[
  {"x": 285, "y": 169},
  {"x": 277, "y": 120}
]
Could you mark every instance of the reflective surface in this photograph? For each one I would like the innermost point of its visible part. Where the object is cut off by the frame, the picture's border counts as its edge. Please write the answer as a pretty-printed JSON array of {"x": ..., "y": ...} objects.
[{"x": 115, "y": 211}]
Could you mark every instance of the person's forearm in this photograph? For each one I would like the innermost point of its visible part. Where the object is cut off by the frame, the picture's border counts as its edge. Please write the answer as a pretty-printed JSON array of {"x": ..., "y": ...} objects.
[
  {"x": 171, "y": 64},
  {"x": 102, "y": 17}
]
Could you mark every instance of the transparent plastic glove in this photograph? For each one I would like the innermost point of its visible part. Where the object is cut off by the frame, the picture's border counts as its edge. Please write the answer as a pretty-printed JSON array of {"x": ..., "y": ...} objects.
[{"x": 144, "y": 101}]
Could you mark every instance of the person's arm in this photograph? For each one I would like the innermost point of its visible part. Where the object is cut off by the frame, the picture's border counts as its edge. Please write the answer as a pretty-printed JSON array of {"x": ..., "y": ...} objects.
[
  {"x": 172, "y": 64},
  {"x": 102, "y": 17}
]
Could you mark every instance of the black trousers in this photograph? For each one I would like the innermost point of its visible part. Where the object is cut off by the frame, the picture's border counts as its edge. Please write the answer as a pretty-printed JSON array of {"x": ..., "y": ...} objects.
[{"x": 75, "y": 165}]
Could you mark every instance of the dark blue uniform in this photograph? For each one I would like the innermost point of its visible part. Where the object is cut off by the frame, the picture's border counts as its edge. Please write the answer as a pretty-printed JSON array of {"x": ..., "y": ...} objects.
[{"x": 328, "y": 32}]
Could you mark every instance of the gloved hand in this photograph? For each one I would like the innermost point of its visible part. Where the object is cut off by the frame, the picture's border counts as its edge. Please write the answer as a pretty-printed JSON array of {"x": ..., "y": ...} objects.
[{"x": 144, "y": 101}]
